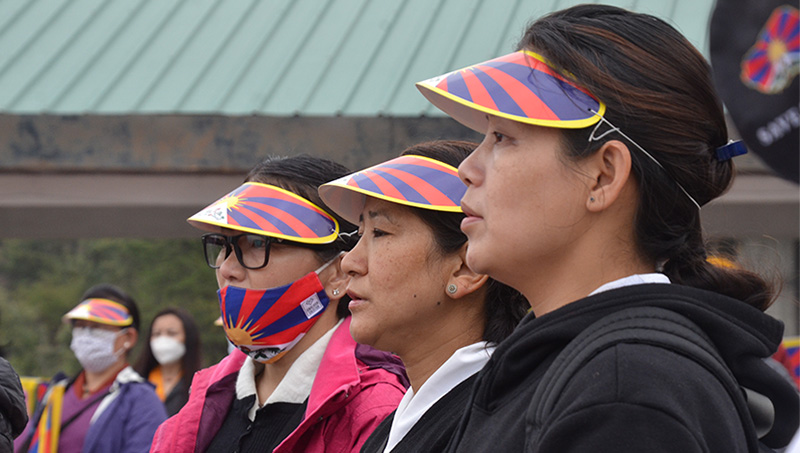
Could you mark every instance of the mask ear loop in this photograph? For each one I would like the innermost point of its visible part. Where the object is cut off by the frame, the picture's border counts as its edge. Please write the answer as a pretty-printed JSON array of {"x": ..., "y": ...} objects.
[
  {"x": 125, "y": 346},
  {"x": 613, "y": 128}
]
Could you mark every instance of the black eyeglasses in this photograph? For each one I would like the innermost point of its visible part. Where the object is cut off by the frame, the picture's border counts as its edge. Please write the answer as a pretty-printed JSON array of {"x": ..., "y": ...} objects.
[{"x": 251, "y": 250}]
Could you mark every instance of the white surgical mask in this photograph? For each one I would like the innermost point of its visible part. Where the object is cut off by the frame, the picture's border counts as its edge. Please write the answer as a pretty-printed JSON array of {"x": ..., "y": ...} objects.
[
  {"x": 94, "y": 348},
  {"x": 167, "y": 349}
]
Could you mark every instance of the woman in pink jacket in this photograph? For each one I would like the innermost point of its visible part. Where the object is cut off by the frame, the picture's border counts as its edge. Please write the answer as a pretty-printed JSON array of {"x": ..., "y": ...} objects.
[{"x": 298, "y": 381}]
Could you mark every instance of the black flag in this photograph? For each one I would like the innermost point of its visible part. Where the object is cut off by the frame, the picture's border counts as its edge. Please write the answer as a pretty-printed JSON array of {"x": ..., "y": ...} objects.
[{"x": 755, "y": 55}]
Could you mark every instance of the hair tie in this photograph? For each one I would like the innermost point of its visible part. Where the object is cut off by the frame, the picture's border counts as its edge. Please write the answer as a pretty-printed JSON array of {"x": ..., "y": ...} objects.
[{"x": 732, "y": 149}]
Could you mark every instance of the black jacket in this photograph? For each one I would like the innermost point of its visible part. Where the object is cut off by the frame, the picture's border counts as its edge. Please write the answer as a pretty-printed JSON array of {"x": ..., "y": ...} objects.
[
  {"x": 631, "y": 397},
  {"x": 177, "y": 398},
  {"x": 13, "y": 414},
  {"x": 432, "y": 431}
]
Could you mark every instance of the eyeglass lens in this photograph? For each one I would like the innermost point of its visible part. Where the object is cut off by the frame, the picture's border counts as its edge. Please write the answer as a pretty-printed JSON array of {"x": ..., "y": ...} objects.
[{"x": 251, "y": 250}]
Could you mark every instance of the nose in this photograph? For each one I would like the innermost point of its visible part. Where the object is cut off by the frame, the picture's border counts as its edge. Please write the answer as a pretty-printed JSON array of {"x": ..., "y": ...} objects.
[
  {"x": 470, "y": 169},
  {"x": 353, "y": 262},
  {"x": 230, "y": 271}
]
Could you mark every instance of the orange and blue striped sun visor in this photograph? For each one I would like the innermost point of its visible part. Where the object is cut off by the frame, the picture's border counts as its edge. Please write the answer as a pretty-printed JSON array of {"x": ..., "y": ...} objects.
[
  {"x": 270, "y": 211},
  {"x": 101, "y": 311},
  {"x": 409, "y": 180},
  {"x": 520, "y": 86}
]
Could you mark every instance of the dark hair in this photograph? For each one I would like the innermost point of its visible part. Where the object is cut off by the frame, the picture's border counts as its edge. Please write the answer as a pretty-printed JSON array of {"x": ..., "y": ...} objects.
[
  {"x": 504, "y": 306},
  {"x": 302, "y": 175},
  {"x": 111, "y": 292},
  {"x": 190, "y": 362},
  {"x": 658, "y": 90}
]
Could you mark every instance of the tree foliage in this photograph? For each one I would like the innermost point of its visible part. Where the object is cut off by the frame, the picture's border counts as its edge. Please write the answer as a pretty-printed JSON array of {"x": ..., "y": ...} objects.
[{"x": 41, "y": 280}]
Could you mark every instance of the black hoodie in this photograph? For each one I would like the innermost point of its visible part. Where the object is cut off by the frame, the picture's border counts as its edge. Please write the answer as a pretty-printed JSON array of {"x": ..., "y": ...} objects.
[{"x": 631, "y": 397}]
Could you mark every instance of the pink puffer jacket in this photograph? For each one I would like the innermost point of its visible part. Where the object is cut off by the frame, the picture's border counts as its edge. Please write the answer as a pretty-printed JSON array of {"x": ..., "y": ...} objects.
[{"x": 355, "y": 389}]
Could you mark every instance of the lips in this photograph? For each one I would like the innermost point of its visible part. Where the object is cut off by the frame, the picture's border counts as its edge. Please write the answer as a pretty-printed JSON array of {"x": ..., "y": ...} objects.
[
  {"x": 355, "y": 300},
  {"x": 470, "y": 219},
  {"x": 467, "y": 210}
]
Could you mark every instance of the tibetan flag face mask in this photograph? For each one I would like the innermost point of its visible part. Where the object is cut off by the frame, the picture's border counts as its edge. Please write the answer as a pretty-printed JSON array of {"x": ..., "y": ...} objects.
[
  {"x": 520, "y": 86},
  {"x": 267, "y": 323}
]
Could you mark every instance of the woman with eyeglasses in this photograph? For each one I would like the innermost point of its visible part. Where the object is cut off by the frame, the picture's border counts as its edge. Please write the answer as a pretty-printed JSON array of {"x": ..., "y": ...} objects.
[
  {"x": 107, "y": 406},
  {"x": 412, "y": 292},
  {"x": 604, "y": 139},
  {"x": 298, "y": 381}
]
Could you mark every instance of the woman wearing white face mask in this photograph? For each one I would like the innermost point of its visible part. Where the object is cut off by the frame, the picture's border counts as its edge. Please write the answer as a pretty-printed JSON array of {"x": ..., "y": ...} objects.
[
  {"x": 171, "y": 357},
  {"x": 107, "y": 406}
]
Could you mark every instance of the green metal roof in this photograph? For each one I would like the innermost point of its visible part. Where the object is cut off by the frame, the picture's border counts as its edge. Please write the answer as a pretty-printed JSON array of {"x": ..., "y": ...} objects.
[{"x": 265, "y": 57}]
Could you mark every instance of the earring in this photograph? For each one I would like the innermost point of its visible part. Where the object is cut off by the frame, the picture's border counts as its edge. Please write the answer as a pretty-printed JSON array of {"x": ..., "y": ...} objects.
[
  {"x": 591, "y": 199},
  {"x": 335, "y": 291},
  {"x": 451, "y": 288}
]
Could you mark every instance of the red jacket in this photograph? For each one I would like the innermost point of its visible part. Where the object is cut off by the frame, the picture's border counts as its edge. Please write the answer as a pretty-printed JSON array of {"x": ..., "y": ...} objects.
[{"x": 356, "y": 388}]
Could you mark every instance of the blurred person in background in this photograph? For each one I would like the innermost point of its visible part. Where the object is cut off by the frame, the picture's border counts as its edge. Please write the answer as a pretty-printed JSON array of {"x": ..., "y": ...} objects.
[
  {"x": 107, "y": 407},
  {"x": 171, "y": 357},
  {"x": 13, "y": 414}
]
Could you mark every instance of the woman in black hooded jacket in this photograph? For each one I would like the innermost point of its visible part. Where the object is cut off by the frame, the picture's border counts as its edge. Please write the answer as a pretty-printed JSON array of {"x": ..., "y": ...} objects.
[{"x": 604, "y": 137}]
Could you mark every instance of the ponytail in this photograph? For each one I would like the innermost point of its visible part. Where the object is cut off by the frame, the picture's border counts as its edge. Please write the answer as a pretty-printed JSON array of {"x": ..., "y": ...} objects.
[{"x": 693, "y": 269}]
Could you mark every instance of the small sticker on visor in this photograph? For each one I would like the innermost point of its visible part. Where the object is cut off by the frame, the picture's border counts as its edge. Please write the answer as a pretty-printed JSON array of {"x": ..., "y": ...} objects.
[{"x": 270, "y": 211}]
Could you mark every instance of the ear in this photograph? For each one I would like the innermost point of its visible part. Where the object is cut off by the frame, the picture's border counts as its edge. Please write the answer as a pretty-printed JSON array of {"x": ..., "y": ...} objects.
[
  {"x": 466, "y": 280},
  {"x": 131, "y": 336},
  {"x": 610, "y": 168},
  {"x": 334, "y": 279}
]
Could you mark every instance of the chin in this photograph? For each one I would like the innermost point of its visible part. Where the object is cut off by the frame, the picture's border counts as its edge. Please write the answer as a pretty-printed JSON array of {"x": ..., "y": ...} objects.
[
  {"x": 476, "y": 261},
  {"x": 358, "y": 334}
]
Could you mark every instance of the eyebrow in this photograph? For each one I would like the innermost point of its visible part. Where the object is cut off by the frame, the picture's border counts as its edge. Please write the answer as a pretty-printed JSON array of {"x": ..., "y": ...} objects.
[{"x": 375, "y": 214}]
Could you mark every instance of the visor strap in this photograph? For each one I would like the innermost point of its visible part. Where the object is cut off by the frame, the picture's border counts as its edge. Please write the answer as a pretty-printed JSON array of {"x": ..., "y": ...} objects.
[
  {"x": 613, "y": 128},
  {"x": 328, "y": 263}
]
